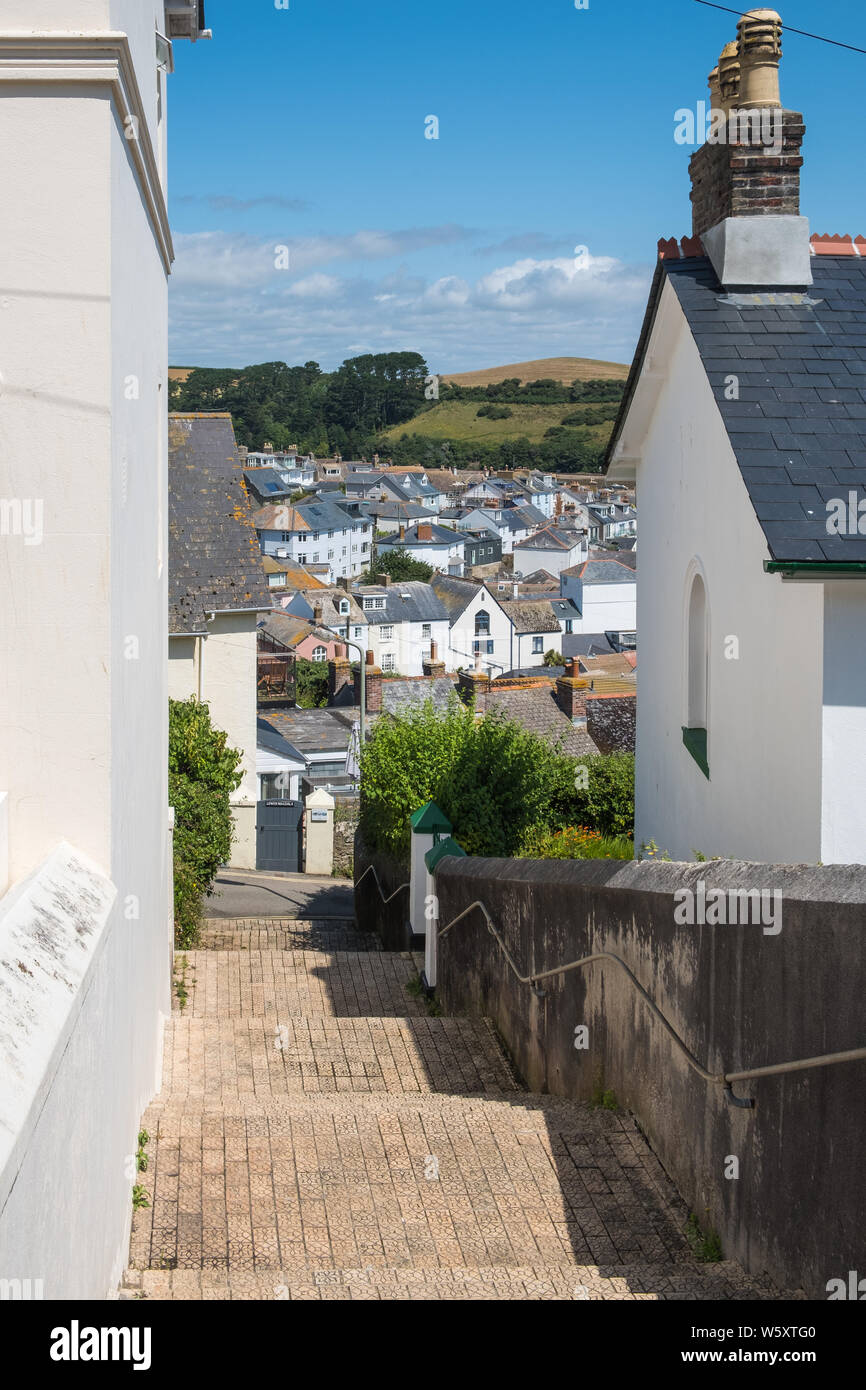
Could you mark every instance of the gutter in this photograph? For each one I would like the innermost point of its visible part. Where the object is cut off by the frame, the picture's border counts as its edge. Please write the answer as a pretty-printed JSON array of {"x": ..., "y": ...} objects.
[{"x": 818, "y": 569}]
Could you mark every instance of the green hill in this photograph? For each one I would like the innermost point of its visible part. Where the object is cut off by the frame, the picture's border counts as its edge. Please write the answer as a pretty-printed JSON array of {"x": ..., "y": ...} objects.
[{"x": 459, "y": 420}]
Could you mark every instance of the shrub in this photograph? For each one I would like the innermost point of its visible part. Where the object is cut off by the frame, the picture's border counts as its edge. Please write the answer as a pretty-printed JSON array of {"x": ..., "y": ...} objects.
[
  {"x": 495, "y": 412},
  {"x": 202, "y": 774},
  {"x": 311, "y": 689},
  {"x": 574, "y": 842},
  {"x": 492, "y": 779},
  {"x": 607, "y": 803}
]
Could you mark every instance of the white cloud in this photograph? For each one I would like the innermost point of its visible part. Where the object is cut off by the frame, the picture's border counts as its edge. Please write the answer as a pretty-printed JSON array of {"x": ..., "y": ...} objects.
[{"x": 231, "y": 306}]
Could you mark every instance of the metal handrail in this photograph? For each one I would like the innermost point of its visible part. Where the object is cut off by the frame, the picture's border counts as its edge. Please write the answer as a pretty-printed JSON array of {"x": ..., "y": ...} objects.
[
  {"x": 717, "y": 1078},
  {"x": 371, "y": 869}
]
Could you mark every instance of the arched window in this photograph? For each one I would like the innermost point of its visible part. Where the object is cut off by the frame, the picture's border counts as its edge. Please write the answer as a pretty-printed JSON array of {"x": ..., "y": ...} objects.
[
  {"x": 482, "y": 623},
  {"x": 320, "y": 653},
  {"x": 697, "y": 691},
  {"x": 697, "y": 658}
]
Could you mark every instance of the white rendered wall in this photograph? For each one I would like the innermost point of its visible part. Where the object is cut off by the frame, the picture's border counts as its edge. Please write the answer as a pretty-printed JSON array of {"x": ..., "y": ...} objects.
[
  {"x": 609, "y": 608},
  {"x": 843, "y": 828},
  {"x": 764, "y": 709},
  {"x": 82, "y": 680}
]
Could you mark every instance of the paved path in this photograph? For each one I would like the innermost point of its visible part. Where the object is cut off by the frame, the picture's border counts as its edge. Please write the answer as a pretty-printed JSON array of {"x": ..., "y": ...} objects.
[
  {"x": 250, "y": 894},
  {"x": 320, "y": 1135}
]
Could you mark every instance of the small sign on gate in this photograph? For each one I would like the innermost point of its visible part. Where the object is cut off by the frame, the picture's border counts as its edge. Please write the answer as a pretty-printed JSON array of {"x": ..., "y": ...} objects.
[{"x": 316, "y": 815}]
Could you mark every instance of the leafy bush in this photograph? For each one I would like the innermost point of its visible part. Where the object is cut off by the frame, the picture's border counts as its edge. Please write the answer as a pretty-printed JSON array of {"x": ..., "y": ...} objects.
[
  {"x": 202, "y": 774},
  {"x": 607, "y": 802},
  {"x": 574, "y": 842},
  {"x": 495, "y": 412},
  {"x": 492, "y": 779},
  {"x": 311, "y": 689}
]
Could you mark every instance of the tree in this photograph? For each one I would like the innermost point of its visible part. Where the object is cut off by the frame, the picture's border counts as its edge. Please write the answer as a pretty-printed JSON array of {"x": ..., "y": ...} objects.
[
  {"x": 401, "y": 567},
  {"x": 311, "y": 689},
  {"x": 552, "y": 658},
  {"x": 202, "y": 774}
]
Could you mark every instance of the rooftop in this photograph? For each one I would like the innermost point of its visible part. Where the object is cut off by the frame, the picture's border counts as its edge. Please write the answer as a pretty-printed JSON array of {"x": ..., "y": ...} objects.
[{"x": 214, "y": 561}]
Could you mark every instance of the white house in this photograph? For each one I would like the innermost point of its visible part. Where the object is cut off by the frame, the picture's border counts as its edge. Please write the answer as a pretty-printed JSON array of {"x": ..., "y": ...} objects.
[
  {"x": 86, "y": 930},
  {"x": 314, "y": 533},
  {"x": 403, "y": 619},
  {"x": 477, "y": 626},
  {"x": 744, "y": 426},
  {"x": 437, "y": 546},
  {"x": 549, "y": 549},
  {"x": 604, "y": 590},
  {"x": 217, "y": 589}
]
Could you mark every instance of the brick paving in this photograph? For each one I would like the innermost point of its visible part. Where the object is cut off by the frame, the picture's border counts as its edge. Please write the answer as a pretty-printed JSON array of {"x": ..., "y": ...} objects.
[{"x": 320, "y": 1136}]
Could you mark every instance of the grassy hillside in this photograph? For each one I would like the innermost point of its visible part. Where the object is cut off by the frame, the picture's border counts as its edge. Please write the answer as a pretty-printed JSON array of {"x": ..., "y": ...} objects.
[
  {"x": 565, "y": 369},
  {"x": 459, "y": 420}
]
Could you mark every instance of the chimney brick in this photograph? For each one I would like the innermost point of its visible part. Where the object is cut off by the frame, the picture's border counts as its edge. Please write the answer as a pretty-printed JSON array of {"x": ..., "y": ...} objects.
[
  {"x": 571, "y": 692},
  {"x": 431, "y": 665},
  {"x": 739, "y": 179},
  {"x": 340, "y": 682},
  {"x": 373, "y": 675}
]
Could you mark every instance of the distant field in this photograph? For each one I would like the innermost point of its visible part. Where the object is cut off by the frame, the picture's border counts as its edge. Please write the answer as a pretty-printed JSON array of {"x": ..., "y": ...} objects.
[
  {"x": 565, "y": 369},
  {"x": 459, "y": 420},
  {"x": 179, "y": 373}
]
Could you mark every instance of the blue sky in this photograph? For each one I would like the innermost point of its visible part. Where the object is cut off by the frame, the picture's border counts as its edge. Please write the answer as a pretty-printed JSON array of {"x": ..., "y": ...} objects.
[{"x": 305, "y": 128}]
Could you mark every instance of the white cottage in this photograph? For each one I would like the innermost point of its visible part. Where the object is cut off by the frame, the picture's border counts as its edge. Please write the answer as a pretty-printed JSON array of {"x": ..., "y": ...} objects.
[{"x": 744, "y": 426}]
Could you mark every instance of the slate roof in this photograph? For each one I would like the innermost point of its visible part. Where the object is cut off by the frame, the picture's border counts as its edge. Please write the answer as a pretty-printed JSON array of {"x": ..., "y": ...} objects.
[
  {"x": 214, "y": 561},
  {"x": 586, "y": 644},
  {"x": 268, "y": 737},
  {"x": 532, "y": 515},
  {"x": 411, "y": 602},
  {"x": 799, "y": 428},
  {"x": 440, "y": 535},
  {"x": 549, "y": 538},
  {"x": 617, "y": 569},
  {"x": 329, "y": 600},
  {"x": 266, "y": 482},
  {"x": 400, "y": 696},
  {"x": 454, "y": 594},
  {"x": 535, "y": 709},
  {"x": 530, "y": 615},
  {"x": 313, "y": 730},
  {"x": 285, "y": 627}
]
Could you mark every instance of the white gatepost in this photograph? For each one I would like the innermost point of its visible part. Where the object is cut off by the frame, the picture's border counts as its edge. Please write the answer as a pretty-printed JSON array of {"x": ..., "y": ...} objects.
[
  {"x": 443, "y": 847},
  {"x": 319, "y": 833},
  {"x": 428, "y": 826}
]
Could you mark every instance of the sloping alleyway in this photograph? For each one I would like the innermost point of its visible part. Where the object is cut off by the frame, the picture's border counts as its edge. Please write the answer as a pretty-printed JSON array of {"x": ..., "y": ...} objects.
[{"x": 320, "y": 1136}]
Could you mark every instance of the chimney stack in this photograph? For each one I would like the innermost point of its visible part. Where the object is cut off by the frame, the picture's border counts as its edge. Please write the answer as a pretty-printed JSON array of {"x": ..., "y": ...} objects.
[
  {"x": 373, "y": 676},
  {"x": 431, "y": 665},
  {"x": 746, "y": 177},
  {"x": 340, "y": 684},
  {"x": 425, "y": 531},
  {"x": 571, "y": 691}
]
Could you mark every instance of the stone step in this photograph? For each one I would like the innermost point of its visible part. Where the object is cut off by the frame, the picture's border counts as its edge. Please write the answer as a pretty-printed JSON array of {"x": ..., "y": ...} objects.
[
  {"x": 564, "y": 1282},
  {"x": 294, "y": 983},
  {"x": 286, "y": 934},
  {"x": 343, "y": 1182},
  {"x": 218, "y": 1059}
]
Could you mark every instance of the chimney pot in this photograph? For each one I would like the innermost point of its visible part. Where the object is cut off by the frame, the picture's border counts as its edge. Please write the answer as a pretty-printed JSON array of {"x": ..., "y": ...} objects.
[{"x": 760, "y": 49}]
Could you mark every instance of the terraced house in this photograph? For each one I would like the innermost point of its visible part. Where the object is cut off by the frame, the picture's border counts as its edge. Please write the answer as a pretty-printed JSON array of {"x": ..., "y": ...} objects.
[{"x": 316, "y": 533}]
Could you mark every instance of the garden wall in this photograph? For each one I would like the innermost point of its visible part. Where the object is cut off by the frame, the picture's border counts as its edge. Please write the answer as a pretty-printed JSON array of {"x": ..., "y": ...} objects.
[{"x": 740, "y": 997}]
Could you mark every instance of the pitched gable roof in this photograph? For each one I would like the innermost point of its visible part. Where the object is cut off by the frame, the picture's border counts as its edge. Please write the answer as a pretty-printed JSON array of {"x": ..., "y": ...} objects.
[
  {"x": 214, "y": 561},
  {"x": 798, "y": 431}
]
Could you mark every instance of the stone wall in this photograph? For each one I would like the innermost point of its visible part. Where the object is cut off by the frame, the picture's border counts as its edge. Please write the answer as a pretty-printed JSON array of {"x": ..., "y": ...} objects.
[
  {"x": 388, "y": 920},
  {"x": 739, "y": 996},
  {"x": 346, "y": 812},
  {"x": 610, "y": 722}
]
